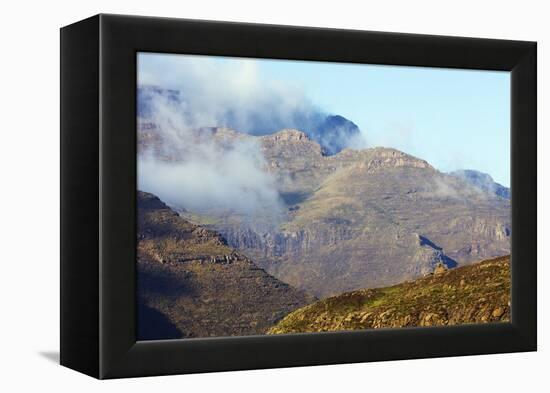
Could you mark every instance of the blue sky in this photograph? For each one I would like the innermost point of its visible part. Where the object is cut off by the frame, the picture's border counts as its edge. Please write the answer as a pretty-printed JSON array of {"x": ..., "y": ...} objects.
[{"x": 454, "y": 119}]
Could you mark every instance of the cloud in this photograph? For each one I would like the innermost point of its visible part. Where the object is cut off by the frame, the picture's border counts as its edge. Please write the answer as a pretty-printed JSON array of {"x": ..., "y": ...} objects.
[
  {"x": 223, "y": 92},
  {"x": 189, "y": 169},
  {"x": 219, "y": 92},
  {"x": 452, "y": 187},
  {"x": 213, "y": 180},
  {"x": 180, "y": 97}
]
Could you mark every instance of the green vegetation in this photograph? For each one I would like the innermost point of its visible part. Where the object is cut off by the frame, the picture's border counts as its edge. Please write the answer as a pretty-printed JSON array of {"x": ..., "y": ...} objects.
[{"x": 478, "y": 293}]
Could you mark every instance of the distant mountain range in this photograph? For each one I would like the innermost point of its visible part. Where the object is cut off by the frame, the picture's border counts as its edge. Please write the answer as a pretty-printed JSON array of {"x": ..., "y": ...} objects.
[{"x": 483, "y": 181}]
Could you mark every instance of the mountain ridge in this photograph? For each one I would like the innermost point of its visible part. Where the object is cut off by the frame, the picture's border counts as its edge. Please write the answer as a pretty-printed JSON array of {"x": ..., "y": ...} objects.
[
  {"x": 332, "y": 131},
  {"x": 192, "y": 284}
]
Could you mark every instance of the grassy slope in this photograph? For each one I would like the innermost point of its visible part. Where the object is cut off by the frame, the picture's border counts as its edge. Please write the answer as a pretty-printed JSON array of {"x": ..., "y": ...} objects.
[{"x": 478, "y": 293}]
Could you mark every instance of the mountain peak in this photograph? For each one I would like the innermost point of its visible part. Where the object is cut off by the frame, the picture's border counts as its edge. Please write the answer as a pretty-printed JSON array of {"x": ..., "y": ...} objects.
[
  {"x": 384, "y": 157},
  {"x": 334, "y": 133}
]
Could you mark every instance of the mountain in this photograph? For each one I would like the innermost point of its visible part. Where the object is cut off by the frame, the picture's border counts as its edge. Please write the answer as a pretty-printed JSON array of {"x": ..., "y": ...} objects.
[
  {"x": 355, "y": 219},
  {"x": 192, "y": 284},
  {"x": 479, "y": 293},
  {"x": 483, "y": 181},
  {"x": 332, "y": 132},
  {"x": 367, "y": 218}
]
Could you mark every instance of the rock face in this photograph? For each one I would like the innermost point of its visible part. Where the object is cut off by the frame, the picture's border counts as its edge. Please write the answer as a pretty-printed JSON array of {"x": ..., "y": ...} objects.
[
  {"x": 359, "y": 218},
  {"x": 192, "y": 284},
  {"x": 478, "y": 293}
]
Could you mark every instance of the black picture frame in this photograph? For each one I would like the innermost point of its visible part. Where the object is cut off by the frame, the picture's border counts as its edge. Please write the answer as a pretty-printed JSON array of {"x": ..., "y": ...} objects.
[{"x": 98, "y": 190}]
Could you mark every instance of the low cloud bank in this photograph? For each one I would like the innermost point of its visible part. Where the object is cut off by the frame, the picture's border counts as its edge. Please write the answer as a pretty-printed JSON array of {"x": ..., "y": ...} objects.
[
  {"x": 214, "y": 92},
  {"x": 189, "y": 170},
  {"x": 180, "y": 97}
]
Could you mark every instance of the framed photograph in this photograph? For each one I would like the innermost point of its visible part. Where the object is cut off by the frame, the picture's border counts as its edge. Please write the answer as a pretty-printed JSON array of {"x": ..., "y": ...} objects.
[{"x": 241, "y": 196}]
